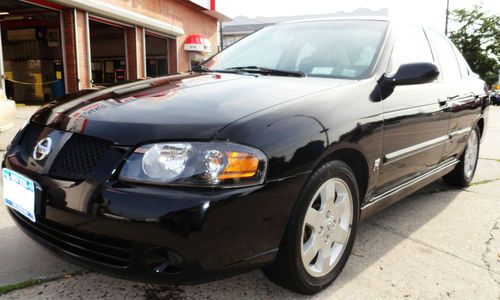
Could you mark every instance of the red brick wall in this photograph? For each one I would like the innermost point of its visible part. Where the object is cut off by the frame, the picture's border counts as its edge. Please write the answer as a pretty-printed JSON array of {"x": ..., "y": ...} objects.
[
  {"x": 199, "y": 23},
  {"x": 140, "y": 52},
  {"x": 173, "y": 12},
  {"x": 172, "y": 56},
  {"x": 130, "y": 35},
  {"x": 83, "y": 53},
  {"x": 177, "y": 13},
  {"x": 70, "y": 51}
]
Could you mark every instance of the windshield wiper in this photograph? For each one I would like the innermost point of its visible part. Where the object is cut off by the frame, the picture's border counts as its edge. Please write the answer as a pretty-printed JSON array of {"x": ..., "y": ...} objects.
[
  {"x": 203, "y": 69},
  {"x": 268, "y": 71}
]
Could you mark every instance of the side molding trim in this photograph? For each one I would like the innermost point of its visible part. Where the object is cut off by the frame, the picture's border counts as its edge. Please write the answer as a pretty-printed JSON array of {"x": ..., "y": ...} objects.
[
  {"x": 460, "y": 132},
  {"x": 394, "y": 195},
  {"x": 400, "y": 154}
]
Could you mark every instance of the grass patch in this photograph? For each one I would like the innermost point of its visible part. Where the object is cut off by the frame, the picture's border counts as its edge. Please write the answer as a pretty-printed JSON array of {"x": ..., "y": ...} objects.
[
  {"x": 484, "y": 181},
  {"x": 34, "y": 282},
  {"x": 22, "y": 285}
]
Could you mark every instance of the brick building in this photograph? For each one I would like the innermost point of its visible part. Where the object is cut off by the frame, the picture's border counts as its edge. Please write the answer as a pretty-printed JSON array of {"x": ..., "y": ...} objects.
[{"x": 52, "y": 47}]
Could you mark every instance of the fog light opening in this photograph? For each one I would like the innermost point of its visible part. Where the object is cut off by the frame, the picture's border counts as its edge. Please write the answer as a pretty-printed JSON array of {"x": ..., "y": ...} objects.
[{"x": 164, "y": 261}]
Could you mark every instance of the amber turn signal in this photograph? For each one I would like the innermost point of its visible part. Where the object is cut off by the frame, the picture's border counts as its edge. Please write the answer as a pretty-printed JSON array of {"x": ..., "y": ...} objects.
[{"x": 240, "y": 165}]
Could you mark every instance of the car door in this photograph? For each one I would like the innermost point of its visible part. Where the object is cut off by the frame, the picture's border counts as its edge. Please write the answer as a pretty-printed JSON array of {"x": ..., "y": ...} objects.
[
  {"x": 464, "y": 91},
  {"x": 415, "y": 124}
]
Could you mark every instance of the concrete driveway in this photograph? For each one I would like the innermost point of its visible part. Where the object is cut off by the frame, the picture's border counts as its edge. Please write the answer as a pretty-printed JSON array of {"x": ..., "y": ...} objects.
[{"x": 439, "y": 243}]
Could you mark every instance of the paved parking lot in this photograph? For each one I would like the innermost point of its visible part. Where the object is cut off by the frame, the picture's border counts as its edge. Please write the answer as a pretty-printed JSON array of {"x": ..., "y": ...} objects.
[{"x": 438, "y": 243}]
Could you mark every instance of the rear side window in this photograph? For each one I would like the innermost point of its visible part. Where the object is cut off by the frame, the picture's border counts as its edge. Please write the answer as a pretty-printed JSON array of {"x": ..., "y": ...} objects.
[
  {"x": 448, "y": 64},
  {"x": 462, "y": 63},
  {"x": 411, "y": 46}
]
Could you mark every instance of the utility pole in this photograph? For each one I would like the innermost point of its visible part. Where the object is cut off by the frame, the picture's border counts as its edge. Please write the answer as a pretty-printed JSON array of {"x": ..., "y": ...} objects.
[
  {"x": 221, "y": 37},
  {"x": 447, "y": 16}
]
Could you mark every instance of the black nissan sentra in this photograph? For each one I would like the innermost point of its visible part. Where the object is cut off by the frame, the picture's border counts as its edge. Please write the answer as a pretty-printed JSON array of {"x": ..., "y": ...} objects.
[{"x": 266, "y": 155}]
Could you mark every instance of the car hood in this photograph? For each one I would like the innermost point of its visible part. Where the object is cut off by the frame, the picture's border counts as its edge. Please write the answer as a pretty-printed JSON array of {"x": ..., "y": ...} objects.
[{"x": 189, "y": 106}]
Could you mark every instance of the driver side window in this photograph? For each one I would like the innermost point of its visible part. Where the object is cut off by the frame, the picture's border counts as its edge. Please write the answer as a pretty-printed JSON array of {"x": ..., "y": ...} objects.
[{"x": 411, "y": 46}]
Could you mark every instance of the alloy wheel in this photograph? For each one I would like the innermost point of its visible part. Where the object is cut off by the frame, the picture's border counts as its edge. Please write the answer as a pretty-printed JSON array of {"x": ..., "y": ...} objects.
[
  {"x": 471, "y": 152},
  {"x": 327, "y": 227}
]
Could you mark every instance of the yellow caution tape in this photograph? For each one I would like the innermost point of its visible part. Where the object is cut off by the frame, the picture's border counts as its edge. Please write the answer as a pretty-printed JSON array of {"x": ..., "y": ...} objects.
[{"x": 32, "y": 83}]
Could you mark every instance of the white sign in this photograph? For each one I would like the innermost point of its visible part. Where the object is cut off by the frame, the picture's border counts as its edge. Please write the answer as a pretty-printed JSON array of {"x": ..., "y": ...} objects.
[{"x": 198, "y": 47}]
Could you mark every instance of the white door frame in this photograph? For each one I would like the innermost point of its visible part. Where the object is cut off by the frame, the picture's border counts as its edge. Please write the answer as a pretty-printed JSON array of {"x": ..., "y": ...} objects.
[{"x": 2, "y": 74}]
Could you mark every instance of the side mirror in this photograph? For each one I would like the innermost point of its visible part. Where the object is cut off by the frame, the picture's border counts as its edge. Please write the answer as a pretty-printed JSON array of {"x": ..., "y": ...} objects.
[{"x": 415, "y": 73}]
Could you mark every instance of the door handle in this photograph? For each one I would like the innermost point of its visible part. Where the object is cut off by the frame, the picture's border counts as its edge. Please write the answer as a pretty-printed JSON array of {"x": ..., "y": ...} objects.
[{"x": 453, "y": 97}]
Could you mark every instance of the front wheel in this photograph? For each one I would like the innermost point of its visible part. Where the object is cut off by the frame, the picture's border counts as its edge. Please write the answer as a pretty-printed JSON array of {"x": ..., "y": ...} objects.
[
  {"x": 463, "y": 173},
  {"x": 321, "y": 231}
]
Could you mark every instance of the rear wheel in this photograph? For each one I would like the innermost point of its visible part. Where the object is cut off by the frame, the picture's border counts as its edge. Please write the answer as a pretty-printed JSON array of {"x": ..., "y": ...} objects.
[
  {"x": 463, "y": 173},
  {"x": 321, "y": 231}
]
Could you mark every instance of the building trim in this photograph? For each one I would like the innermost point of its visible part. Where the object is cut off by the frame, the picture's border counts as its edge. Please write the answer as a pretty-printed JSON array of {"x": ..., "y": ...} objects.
[
  {"x": 156, "y": 34},
  {"x": 127, "y": 65},
  {"x": 2, "y": 73},
  {"x": 123, "y": 15},
  {"x": 63, "y": 50},
  {"x": 75, "y": 29},
  {"x": 89, "y": 49},
  {"x": 168, "y": 57},
  {"x": 44, "y": 4},
  {"x": 109, "y": 22},
  {"x": 137, "y": 58},
  {"x": 144, "y": 69}
]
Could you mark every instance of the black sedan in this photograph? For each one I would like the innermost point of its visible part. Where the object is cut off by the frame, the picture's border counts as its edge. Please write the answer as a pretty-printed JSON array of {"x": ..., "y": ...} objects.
[{"x": 267, "y": 155}]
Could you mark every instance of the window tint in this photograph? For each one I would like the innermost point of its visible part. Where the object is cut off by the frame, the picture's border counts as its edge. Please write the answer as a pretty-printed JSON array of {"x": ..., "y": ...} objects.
[
  {"x": 411, "y": 46},
  {"x": 448, "y": 65}
]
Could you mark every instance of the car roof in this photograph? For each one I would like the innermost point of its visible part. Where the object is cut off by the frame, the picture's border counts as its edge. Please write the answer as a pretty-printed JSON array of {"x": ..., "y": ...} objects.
[{"x": 360, "y": 18}]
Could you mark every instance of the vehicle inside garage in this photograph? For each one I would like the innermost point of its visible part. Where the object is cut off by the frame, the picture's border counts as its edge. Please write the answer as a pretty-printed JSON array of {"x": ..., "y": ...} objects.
[
  {"x": 107, "y": 48},
  {"x": 32, "y": 52}
]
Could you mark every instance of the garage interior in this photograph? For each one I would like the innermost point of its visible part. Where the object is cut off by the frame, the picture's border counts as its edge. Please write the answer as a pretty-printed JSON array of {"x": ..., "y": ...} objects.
[
  {"x": 32, "y": 61},
  {"x": 107, "y": 49},
  {"x": 156, "y": 55}
]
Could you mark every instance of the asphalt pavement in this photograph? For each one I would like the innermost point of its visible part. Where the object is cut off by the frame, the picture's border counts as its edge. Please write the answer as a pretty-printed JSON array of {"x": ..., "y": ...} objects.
[{"x": 440, "y": 242}]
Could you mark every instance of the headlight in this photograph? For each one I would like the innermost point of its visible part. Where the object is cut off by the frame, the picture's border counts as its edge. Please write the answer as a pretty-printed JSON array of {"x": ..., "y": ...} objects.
[{"x": 212, "y": 164}]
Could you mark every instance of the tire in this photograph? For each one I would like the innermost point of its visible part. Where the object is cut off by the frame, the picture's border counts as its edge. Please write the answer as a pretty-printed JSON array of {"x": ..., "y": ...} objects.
[
  {"x": 332, "y": 228},
  {"x": 464, "y": 171}
]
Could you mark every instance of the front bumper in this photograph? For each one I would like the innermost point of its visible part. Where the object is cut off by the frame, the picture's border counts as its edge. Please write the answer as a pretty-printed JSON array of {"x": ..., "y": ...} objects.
[{"x": 159, "y": 234}]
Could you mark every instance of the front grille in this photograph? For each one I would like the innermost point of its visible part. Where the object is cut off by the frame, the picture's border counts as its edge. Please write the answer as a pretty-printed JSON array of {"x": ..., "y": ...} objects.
[
  {"x": 28, "y": 141},
  {"x": 79, "y": 156},
  {"x": 106, "y": 251}
]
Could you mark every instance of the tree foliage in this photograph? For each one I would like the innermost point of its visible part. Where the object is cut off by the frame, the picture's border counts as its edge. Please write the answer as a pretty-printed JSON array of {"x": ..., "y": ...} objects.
[{"x": 478, "y": 38}]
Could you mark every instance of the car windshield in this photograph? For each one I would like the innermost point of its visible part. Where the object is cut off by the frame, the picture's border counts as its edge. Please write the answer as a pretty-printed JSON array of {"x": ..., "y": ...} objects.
[{"x": 335, "y": 48}]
